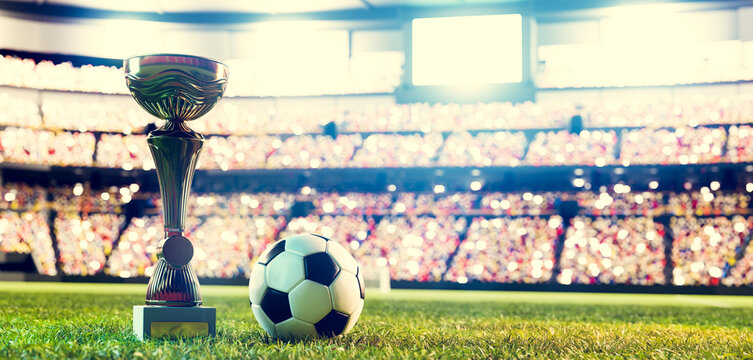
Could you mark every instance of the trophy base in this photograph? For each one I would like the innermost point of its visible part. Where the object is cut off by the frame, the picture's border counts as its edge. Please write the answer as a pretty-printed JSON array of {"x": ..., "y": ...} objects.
[{"x": 169, "y": 322}]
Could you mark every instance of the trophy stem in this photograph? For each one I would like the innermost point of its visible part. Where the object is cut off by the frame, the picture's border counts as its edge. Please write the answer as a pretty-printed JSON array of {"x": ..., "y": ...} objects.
[{"x": 175, "y": 148}]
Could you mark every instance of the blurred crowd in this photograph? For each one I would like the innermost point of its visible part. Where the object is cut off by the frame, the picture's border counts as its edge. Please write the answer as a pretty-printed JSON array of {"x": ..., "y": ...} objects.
[
  {"x": 350, "y": 231},
  {"x": 513, "y": 204},
  {"x": 689, "y": 111},
  {"x": 704, "y": 249},
  {"x": 44, "y": 147},
  {"x": 314, "y": 152},
  {"x": 507, "y": 250},
  {"x": 225, "y": 245},
  {"x": 65, "y": 129},
  {"x": 415, "y": 248},
  {"x": 357, "y": 75},
  {"x": 19, "y": 196},
  {"x": 239, "y": 204},
  {"x": 485, "y": 149},
  {"x": 741, "y": 271},
  {"x": 673, "y": 146},
  {"x": 413, "y": 236},
  {"x": 136, "y": 251},
  {"x": 84, "y": 242},
  {"x": 592, "y": 148},
  {"x": 432, "y": 236},
  {"x": 588, "y": 148},
  {"x": 604, "y": 250},
  {"x": 46, "y": 75},
  {"x": 28, "y": 233},
  {"x": 386, "y": 150}
]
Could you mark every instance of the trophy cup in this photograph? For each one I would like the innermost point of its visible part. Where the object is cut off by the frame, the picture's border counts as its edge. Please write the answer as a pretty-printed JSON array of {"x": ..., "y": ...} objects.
[{"x": 176, "y": 88}]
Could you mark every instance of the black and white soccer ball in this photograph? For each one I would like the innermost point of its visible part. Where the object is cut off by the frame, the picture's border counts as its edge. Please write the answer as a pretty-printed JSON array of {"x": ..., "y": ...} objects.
[{"x": 306, "y": 286}]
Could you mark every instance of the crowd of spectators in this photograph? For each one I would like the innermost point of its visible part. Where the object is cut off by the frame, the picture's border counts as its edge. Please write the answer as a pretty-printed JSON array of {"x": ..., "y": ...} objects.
[
  {"x": 455, "y": 204},
  {"x": 691, "y": 111},
  {"x": 239, "y": 204},
  {"x": 46, "y": 75},
  {"x": 28, "y": 232},
  {"x": 485, "y": 149},
  {"x": 93, "y": 113},
  {"x": 673, "y": 146},
  {"x": 589, "y": 148},
  {"x": 230, "y": 230},
  {"x": 613, "y": 251},
  {"x": 415, "y": 248},
  {"x": 352, "y": 203},
  {"x": 740, "y": 144},
  {"x": 450, "y": 117},
  {"x": 81, "y": 198},
  {"x": 507, "y": 250},
  {"x": 85, "y": 241},
  {"x": 741, "y": 271},
  {"x": 705, "y": 248},
  {"x": 250, "y": 143},
  {"x": 706, "y": 202},
  {"x": 20, "y": 196},
  {"x": 512, "y": 204},
  {"x": 348, "y": 230},
  {"x": 646, "y": 203},
  {"x": 354, "y": 77},
  {"x": 236, "y": 152},
  {"x": 390, "y": 150},
  {"x": 19, "y": 110},
  {"x": 44, "y": 147},
  {"x": 127, "y": 152},
  {"x": 225, "y": 245},
  {"x": 315, "y": 152},
  {"x": 136, "y": 252}
]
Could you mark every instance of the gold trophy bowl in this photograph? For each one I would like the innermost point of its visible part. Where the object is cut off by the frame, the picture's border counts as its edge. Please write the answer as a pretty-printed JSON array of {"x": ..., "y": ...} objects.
[{"x": 176, "y": 88}]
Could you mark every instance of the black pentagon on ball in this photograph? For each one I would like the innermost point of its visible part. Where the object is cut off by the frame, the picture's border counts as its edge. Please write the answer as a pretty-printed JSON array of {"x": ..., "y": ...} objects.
[
  {"x": 276, "y": 305},
  {"x": 332, "y": 324},
  {"x": 320, "y": 268},
  {"x": 361, "y": 286},
  {"x": 270, "y": 254}
]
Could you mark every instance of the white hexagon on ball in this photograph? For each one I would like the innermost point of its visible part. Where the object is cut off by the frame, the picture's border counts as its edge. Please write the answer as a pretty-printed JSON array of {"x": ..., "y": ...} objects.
[
  {"x": 263, "y": 320},
  {"x": 345, "y": 292},
  {"x": 354, "y": 316},
  {"x": 257, "y": 284},
  {"x": 305, "y": 244},
  {"x": 285, "y": 271},
  {"x": 296, "y": 329},
  {"x": 342, "y": 257},
  {"x": 310, "y": 301}
]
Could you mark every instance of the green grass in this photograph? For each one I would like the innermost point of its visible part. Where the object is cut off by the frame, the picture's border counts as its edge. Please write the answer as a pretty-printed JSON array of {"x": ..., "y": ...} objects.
[{"x": 94, "y": 321}]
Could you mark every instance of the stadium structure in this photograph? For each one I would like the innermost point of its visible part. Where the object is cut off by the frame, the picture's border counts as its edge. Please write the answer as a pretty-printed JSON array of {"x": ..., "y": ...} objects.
[{"x": 535, "y": 145}]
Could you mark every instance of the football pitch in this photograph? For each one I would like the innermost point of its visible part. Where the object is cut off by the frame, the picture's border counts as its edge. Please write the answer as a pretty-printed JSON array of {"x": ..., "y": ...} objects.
[{"x": 42, "y": 320}]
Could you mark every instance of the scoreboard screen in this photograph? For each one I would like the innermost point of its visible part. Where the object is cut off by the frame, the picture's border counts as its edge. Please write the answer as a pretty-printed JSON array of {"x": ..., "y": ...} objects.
[{"x": 467, "y": 50}]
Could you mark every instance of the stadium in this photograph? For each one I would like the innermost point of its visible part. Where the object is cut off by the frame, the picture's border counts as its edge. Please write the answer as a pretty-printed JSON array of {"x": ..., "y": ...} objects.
[{"x": 514, "y": 178}]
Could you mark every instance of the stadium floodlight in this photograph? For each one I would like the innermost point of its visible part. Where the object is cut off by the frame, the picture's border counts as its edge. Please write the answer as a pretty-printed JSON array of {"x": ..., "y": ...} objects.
[{"x": 175, "y": 88}]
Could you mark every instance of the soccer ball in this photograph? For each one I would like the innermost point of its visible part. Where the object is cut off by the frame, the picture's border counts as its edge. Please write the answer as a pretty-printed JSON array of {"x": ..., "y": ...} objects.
[{"x": 306, "y": 286}]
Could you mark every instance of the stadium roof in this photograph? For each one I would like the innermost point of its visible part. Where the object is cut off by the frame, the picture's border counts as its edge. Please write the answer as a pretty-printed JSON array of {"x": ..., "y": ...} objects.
[{"x": 236, "y": 11}]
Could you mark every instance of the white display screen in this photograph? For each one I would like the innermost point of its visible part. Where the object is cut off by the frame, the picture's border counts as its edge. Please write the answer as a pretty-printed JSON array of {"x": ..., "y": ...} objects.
[{"x": 467, "y": 50}]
